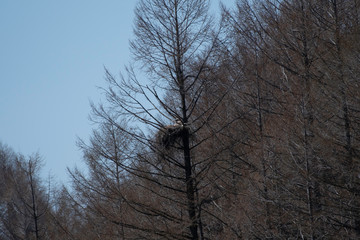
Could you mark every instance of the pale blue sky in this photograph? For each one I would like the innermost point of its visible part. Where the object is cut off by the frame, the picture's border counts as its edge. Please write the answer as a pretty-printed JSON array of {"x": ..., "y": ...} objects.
[{"x": 52, "y": 57}]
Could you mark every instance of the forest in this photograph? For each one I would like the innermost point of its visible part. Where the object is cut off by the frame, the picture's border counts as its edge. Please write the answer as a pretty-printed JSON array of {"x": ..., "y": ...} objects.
[{"x": 245, "y": 126}]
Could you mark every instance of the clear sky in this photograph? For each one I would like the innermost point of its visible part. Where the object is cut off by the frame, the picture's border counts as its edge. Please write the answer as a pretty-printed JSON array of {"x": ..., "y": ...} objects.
[{"x": 52, "y": 58}]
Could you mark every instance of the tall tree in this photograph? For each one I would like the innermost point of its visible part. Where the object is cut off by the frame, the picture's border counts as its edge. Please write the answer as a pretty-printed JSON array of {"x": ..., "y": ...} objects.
[{"x": 174, "y": 43}]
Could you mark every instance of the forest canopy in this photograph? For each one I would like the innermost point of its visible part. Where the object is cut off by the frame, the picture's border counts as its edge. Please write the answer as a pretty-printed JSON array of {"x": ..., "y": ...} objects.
[{"x": 245, "y": 128}]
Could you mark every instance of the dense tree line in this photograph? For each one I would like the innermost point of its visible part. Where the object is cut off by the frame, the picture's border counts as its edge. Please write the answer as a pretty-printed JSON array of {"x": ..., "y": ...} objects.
[{"x": 246, "y": 128}]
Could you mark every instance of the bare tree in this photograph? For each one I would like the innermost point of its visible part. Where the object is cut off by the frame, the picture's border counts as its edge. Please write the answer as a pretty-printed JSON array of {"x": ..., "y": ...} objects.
[
  {"x": 26, "y": 203},
  {"x": 175, "y": 44},
  {"x": 306, "y": 42}
]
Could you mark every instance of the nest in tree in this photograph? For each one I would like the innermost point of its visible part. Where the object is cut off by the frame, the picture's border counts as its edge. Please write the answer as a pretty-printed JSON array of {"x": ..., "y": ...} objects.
[{"x": 169, "y": 135}]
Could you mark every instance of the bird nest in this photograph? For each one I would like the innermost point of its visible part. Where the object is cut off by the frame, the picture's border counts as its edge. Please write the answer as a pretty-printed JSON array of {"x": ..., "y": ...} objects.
[{"x": 170, "y": 135}]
